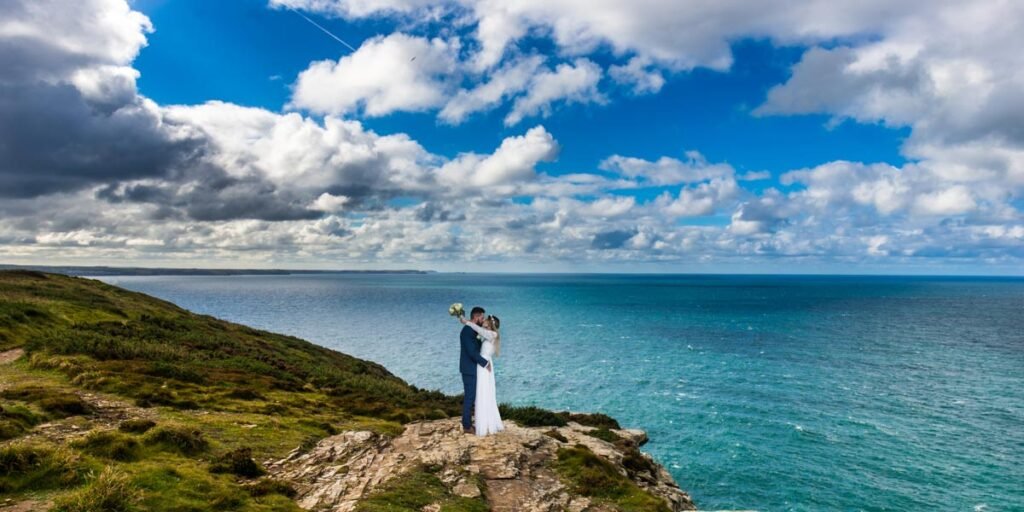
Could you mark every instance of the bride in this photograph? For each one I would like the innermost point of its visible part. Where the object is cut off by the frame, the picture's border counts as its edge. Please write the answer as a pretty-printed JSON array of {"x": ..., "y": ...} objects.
[{"x": 488, "y": 419}]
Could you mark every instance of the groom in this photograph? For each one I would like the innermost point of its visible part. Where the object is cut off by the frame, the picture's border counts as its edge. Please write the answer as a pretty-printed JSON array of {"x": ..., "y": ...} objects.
[{"x": 468, "y": 362}]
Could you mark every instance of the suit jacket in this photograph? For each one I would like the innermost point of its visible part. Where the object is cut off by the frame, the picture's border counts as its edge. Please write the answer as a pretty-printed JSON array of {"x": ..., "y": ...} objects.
[{"x": 470, "y": 356}]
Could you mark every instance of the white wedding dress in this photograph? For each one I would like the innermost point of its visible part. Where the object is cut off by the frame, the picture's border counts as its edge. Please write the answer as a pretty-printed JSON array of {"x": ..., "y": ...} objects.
[{"x": 488, "y": 419}]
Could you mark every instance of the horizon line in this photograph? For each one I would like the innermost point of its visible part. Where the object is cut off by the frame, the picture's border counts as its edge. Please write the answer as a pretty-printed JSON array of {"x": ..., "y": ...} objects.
[{"x": 126, "y": 271}]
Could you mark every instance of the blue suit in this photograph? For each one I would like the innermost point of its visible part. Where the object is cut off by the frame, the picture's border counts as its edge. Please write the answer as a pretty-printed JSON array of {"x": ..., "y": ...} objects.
[{"x": 469, "y": 359}]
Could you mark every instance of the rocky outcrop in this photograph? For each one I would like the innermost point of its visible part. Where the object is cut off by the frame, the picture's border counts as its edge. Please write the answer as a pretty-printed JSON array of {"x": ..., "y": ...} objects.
[{"x": 514, "y": 466}]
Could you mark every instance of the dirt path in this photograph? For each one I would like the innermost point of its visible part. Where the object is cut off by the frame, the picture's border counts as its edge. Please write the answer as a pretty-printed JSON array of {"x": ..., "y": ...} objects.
[{"x": 10, "y": 356}]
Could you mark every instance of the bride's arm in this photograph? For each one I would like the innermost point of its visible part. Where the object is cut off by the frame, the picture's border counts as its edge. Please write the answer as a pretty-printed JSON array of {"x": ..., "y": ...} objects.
[{"x": 486, "y": 333}]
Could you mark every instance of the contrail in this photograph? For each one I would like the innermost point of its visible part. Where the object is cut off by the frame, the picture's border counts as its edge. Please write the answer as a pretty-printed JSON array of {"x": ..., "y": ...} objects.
[{"x": 328, "y": 32}]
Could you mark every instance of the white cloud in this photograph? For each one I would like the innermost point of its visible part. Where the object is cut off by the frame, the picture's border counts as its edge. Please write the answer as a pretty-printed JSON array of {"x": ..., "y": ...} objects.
[
  {"x": 954, "y": 200},
  {"x": 573, "y": 83},
  {"x": 514, "y": 161},
  {"x": 666, "y": 170},
  {"x": 639, "y": 74},
  {"x": 386, "y": 74},
  {"x": 501, "y": 84},
  {"x": 328, "y": 202},
  {"x": 699, "y": 200},
  {"x": 268, "y": 188}
]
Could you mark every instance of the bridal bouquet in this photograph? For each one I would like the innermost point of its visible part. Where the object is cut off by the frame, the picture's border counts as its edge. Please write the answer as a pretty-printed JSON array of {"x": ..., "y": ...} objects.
[{"x": 456, "y": 310}]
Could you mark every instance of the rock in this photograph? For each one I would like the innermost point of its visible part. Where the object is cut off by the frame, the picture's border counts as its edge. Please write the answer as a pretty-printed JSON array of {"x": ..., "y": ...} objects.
[
  {"x": 466, "y": 489},
  {"x": 513, "y": 465},
  {"x": 639, "y": 437}
]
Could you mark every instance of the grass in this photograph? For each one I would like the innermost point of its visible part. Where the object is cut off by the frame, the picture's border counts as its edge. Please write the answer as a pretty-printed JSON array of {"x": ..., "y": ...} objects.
[
  {"x": 111, "y": 491},
  {"x": 37, "y": 466},
  {"x": 178, "y": 438},
  {"x": 16, "y": 419},
  {"x": 587, "y": 474},
  {"x": 238, "y": 462},
  {"x": 417, "y": 489},
  {"x": 110, "y": 444},
  {"x": 605, "y": 435},
  {"x": 222, "y": 397}
]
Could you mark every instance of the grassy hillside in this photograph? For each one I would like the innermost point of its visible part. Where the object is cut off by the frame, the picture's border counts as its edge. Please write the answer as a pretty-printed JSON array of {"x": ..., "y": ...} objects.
[
  {"x": 111, "y": 339},
  {"x": 113, "y": 401},
  {"x": 178, "y": 406}
]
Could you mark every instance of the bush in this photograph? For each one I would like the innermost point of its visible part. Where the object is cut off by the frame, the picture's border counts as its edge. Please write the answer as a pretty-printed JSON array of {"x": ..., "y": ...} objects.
[
  {"x": 109, "y": 444},
  {"x": 265, "y": 486},
  {"x": 244, "y": 394},
  {"x": 60, "y": 404},
  {"x": 15, "y": 420},
  {"x": 556, "y": 435},
  {"x": 590, "y": 475},
  {"x": 136, "y": 425},
  {"x": 604, "y": 435},
  {"x": 31, "y": 466},
  {"x": 111, "y": 491},
  {"x": 65, "y": 405},
  {"x": 635, "y": 462},
  {"x": 531, "y": 416},
  {"x": 238, "y": 462},
  {"x": 179, "y": 438},
  {"x": 597, "y": 419}
]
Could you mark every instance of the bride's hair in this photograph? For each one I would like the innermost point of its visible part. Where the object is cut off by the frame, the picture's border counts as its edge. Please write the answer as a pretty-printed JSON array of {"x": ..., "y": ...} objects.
[{"x": 496, "y": 325}]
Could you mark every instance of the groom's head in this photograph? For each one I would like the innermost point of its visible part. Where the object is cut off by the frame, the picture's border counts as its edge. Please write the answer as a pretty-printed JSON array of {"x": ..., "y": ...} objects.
[{"x": 476, "y": 315}]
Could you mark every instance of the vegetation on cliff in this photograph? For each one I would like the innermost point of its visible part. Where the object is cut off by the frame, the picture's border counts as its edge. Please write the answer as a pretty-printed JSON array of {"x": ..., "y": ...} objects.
[{"x": 121, "y": 401}]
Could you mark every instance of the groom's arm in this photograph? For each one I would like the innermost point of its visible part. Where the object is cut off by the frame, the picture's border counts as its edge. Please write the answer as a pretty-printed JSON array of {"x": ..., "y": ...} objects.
[{"x": 468, "y": 339}]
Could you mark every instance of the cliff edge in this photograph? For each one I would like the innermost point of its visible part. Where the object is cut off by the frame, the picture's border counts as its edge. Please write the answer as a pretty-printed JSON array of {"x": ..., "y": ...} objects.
[{"x": 113, "y": 400}]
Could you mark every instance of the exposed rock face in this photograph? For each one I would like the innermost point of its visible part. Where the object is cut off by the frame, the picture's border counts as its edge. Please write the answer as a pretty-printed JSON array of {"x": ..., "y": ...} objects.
[{"x": 513, "y": 465}]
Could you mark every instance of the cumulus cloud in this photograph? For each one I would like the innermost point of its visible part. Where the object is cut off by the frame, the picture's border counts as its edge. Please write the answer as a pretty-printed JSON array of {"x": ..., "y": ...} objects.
[
  {"x": 666, "y": 170},
  {"x": 573, "y": 83},
  {"x": 94, "y": 169},
  {"x": 70, "y": 116},
  {"x": 514, "y": 161},
  {"x": 392, "y": 73},
  {"x": 503, "y": 83},
  {"x": 639, "y": 75}
]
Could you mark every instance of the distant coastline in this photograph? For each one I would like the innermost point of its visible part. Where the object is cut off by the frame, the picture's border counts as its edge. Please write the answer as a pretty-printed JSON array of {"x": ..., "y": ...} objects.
[{"x": 168, "y": 271}]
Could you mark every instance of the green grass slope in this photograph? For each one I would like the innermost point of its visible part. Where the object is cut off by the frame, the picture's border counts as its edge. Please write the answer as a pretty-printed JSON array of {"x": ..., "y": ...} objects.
[{"x": 128, "y": 343}]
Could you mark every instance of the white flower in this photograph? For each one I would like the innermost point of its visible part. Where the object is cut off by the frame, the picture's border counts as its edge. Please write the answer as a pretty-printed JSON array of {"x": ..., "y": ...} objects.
[{"x": 456, "y": 309}]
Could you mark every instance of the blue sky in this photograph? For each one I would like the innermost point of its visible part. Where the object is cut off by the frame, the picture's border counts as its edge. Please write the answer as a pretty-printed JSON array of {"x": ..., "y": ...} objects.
[
  {"x": 518, "y": 136},
  {"x": 248, "y": 54}
]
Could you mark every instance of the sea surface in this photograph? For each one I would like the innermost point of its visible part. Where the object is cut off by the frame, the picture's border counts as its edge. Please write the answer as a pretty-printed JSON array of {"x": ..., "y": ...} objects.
[{"x": 758, "y": 392}]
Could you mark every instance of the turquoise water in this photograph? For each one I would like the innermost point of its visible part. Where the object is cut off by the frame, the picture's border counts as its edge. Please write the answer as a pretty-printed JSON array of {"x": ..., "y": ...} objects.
[{"x": 768, "y": 393}]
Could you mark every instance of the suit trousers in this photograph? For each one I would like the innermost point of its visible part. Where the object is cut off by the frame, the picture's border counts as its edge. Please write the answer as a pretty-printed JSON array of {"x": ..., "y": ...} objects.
[{"x": 468, "y": 398}]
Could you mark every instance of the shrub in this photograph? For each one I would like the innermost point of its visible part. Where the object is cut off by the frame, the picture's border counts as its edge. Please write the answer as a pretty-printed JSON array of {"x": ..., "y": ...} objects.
[
  {"x": 531, "y": 416},
  {"x": 244, "y": 394},
  {"x": 265, "y": 486},
  {"x": 109, "y": 444},
  {"x": 554, "y": 434},
  {"x": 635, "y": 462},
  {"x": 238, "y": 462},
  {"x": 31, "y": 466},
  {"x": 64, "y": 405},
  {"x": 604, "y": 435},
  {"x": 111, "y": 491},
  {"x": 185, "y": 440},
  {"x": 136, "y": 425},
  {"x": 597, "y": 419},
  {"x": 16, "y": 420},
  {"x": 590, "y": 475},
  {"x": 58, "y": 403}
]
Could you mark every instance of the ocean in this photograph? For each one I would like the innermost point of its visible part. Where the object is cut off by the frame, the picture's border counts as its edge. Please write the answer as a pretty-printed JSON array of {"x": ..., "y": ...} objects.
[{"x": 758, "y": 392}]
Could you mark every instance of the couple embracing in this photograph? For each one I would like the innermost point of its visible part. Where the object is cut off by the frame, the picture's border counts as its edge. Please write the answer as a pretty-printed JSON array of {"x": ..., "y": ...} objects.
[{"x": 480, "y": 343}]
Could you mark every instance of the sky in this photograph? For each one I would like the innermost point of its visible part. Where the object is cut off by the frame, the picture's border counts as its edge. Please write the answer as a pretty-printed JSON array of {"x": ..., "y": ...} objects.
[{"x": 770, "y": 136}]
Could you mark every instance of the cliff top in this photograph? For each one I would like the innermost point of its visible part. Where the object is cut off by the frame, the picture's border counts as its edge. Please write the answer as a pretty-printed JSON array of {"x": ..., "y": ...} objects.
[{"x": 115, "y": 400}]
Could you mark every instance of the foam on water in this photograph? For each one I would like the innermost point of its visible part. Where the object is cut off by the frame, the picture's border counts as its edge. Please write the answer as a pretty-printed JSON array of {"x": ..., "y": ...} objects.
[{"x": 768, "y": 393}]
